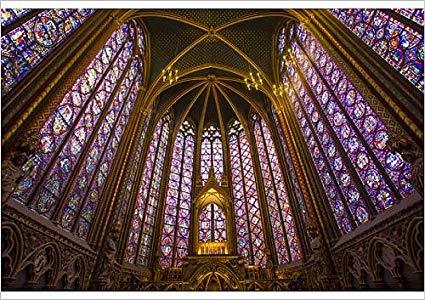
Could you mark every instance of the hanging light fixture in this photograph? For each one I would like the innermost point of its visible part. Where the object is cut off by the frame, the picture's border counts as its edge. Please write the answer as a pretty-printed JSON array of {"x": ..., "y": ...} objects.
[
  {"x": 278, "y": 89},
  {"x": 170, "y": 75},
  {"x": 253, "y": 81}
]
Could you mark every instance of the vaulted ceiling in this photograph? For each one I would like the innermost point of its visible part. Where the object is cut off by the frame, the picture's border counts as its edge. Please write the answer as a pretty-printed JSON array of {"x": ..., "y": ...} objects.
[{"x": 213, "y": 50}]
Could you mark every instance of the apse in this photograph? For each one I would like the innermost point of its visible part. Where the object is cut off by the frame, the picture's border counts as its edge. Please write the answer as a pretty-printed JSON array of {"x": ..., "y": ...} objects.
[{"x": 212, "y": 149}]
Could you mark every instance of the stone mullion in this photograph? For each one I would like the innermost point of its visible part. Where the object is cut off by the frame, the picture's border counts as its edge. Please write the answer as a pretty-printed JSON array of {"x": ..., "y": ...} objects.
[
  {"x": 163, "y": 198},
  {"x": 265, "y": 214},
  {"x": 44, "y": 102},
  {"x": 212, "y": 223},
  {"x": 347, "y": 161},
  {"x": 360, "y": 136},
  {"x": 290, "y": 188},
  {"x": 70, "y": 131},
  {"x": 282, "y": 220},
  {"x": 326, "y": 161},
  {"x": 82, "y": 159},
  {"x": 248, "y": 222},
  {"x": 388, "y": 97},
  {"x": 126, "y": 227},
  {"x": 148, "y": 193}
]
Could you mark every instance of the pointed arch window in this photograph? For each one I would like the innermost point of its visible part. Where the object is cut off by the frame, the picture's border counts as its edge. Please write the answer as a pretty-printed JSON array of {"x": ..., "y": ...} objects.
[
  {"x": 400, "y": 45},
  {"x": 65, "y": 179},
  {"x": 212, "y": 222},
  {"x": 211, "y": 153},
  {"x": 175, "y": 231},
  {"x": 139, "y": 242},
  {"x": 24, "y": 47},
  {"x": 346, "y": 138},
  {"x": 298, "y": 194},
  {"x": 281, "y": 216},
  {"x": 249, "y": 226},
  {"x": 134, "y": 166}
]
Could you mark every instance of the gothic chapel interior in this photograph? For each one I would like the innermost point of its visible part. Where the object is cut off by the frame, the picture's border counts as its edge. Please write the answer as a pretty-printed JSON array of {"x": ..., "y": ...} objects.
[{"x": 212, "y": 149}]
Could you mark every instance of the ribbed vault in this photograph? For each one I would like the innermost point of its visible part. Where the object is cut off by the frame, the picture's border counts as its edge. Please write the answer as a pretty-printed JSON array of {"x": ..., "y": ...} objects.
[{"x": 223, "y": 44}]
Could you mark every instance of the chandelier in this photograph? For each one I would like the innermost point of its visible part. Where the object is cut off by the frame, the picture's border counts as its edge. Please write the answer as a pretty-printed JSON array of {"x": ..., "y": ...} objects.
[
  {"x": 253, "y": 81},
  {"x": 170, "y": 75},
  {"x": 278, "y": 89}
]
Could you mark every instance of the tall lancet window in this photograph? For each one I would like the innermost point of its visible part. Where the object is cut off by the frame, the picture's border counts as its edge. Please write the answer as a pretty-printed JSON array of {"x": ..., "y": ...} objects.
[
  {"x": 31, "y": 40},
  {"x": 65, "y": 179},
  {"x": 281, "y": 216},
  {"x": 211, "y": 153},
  {"x": 175, "y": 231},
  {"x": 399, "y": 44},
  {"x": 139, "y": 243},
  {"x": 346, "y": 138},
  {"x": 249, "y": 225},
  {"x": 298, "y": 194}
]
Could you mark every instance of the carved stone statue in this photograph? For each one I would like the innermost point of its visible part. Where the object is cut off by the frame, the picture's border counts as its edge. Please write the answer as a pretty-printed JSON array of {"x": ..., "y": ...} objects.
[
  {"x": 410, "y": 154},
  {"x": 157, "y": 270},
  {"x": 13, "y": 166},
  {"x": 269, "y": 266},
  {"x": 107, "y": 267},
  {"x": 318, "y": 256}
]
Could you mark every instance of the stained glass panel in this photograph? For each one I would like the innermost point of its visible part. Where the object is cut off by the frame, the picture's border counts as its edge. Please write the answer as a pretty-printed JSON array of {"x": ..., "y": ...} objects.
[
  {"x": 249, "y": 225},
  {"x": 281, "y": 217},
  {"x": 298, "y": 194},
  {"x": 414, "y": 14},
  {"x": 401, "y": 46},
  {"x": 175, "y": 232},
  {"x": 28, "y": 44},
  {"x": 140, "y": 238},
  {"x": 211, "y": 153},
  {"x": 10, "y": 15},
  {"x": 80, "y": 139}
]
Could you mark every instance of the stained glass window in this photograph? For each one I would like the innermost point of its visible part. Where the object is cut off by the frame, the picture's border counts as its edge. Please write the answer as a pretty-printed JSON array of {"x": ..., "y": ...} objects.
[
  {"x": 134, "y": 166},
  {"x": 249, "y": 225},
  {"x": 29, "y": 43},
  {"x": 281, "y": 216},
  {"x": 211, "y": 153},
  {"x": 298, "y": 194},
  {"x": 140, "y": 239},
  {"x": 414, "y": 14},
  {"x": 65, "y": 179},
  {"x": 346, "y": 138},
  {"x": 401, "y": 46},
  {"x": 175, "y": 231},
  {"x": 10, "y": 15},
  {"x": 212, "y": 224}
]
